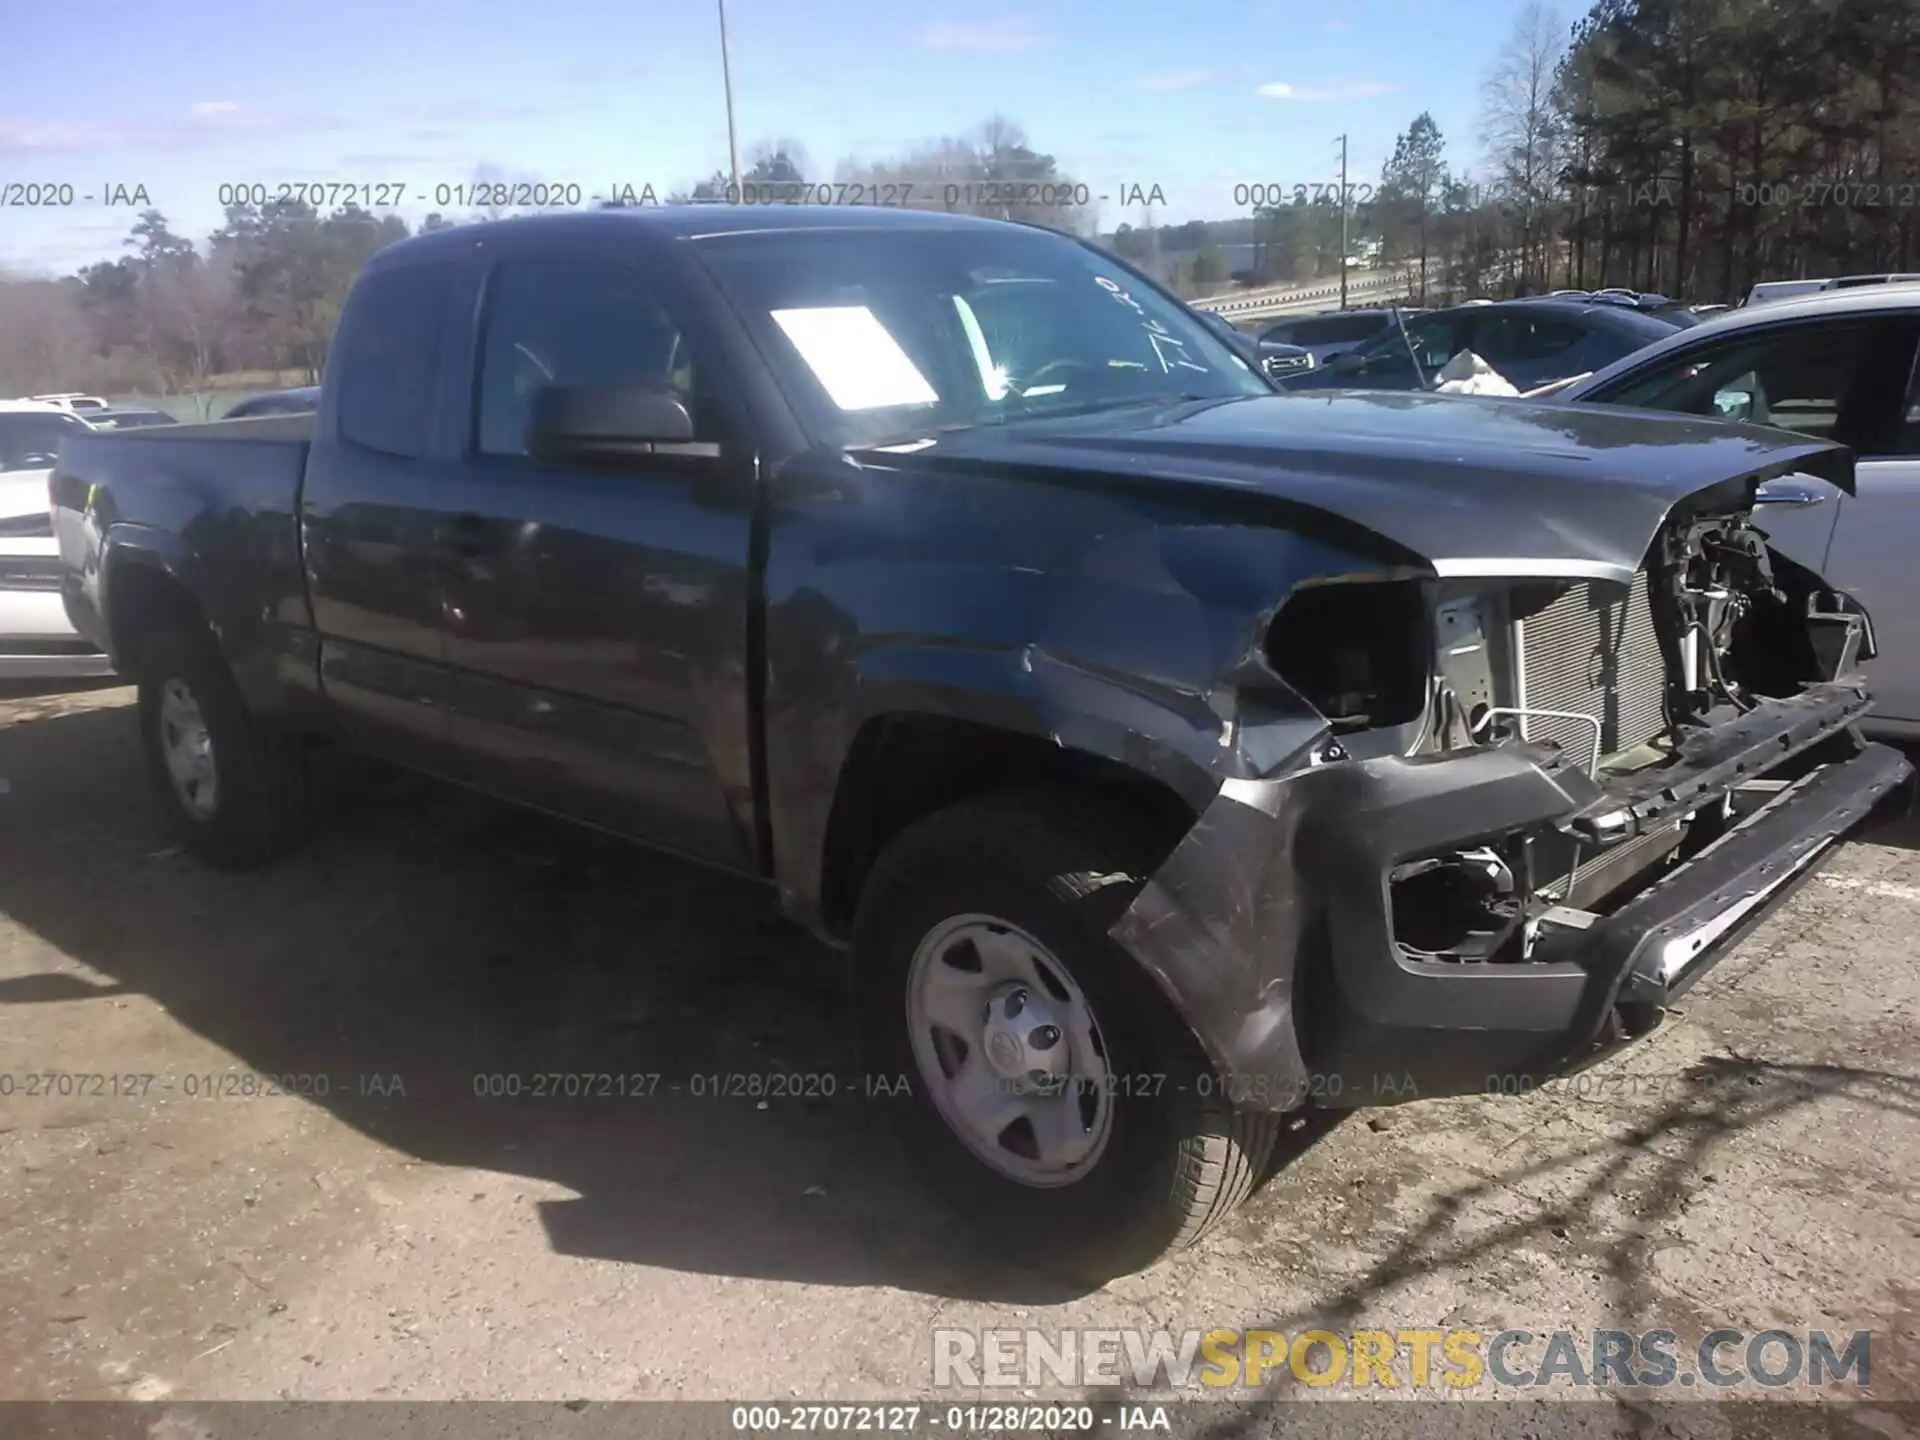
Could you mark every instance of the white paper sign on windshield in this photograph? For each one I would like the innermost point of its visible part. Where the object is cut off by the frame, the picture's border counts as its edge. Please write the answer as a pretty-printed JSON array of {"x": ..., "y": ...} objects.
[{"x": 859, "y": 363}]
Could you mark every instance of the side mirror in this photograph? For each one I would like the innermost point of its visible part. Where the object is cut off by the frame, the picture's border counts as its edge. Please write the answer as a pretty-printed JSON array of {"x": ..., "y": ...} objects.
[
  {"x": 586, "y": 421},
  {"x": 1733, "y": 404}
]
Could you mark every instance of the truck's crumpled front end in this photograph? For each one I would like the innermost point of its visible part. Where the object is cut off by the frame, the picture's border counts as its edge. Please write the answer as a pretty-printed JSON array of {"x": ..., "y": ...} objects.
[{"x": 1540, "y": 809}]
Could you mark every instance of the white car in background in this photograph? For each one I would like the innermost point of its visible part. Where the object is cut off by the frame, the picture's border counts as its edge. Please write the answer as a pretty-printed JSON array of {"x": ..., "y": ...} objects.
[
  {"x": 70, "y": 400},
  {"x": 37, "y": 641},
  {"x": 1841, "y": 364}
]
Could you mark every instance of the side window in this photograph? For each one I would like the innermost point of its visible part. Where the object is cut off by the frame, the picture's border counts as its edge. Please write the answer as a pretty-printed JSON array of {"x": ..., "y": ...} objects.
[
  {"x": 1352, "y": 329},
  {"x": 1910, "y": 422},
  {"x": 30, "y": 442},
  {"x": 1434, "y": 341},
  {"x": 1603, "y": 347},
  {"x": 1814, "y": 379},
  {"x": 573, "y": 323},
  {"x": 1336, "y": 330},
  {"x": 1516, "y": 339},
  {"x": 389, "y": 359}
]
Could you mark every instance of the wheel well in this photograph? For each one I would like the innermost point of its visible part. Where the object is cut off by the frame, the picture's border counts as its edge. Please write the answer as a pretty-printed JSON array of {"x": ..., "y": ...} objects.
[
  {"x": 141, "y": 601},
  {"x": 903, "y": 768}
]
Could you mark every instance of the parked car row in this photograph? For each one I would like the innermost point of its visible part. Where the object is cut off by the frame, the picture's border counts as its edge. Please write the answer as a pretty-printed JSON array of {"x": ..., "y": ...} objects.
[{"x": 1530, "y": 342}]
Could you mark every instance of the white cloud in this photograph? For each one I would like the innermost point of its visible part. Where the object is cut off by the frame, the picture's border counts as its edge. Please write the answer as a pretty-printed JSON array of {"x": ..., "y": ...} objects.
[
  {"x": 19, "y": 136},
  {"x": 1319, "y": 94},
  {"x": 1177, "y": 80},
  {"x": 981, "y": 37},
  {"x": 214, "y": 109}
]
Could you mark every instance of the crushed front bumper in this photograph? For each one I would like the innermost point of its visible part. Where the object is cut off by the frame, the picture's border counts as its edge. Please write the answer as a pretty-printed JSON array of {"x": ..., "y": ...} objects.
[{"x": 1270, "y": 926}]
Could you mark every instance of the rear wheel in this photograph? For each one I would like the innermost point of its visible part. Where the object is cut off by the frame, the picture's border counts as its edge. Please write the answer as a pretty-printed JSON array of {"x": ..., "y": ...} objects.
[
  {"x": 232, "y": 789},
  {"x": 1058, "y": 1099}
]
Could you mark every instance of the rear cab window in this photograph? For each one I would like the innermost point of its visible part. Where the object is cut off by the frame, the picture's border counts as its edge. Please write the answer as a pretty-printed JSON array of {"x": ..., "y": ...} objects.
[{"x": 389, "y": 356}]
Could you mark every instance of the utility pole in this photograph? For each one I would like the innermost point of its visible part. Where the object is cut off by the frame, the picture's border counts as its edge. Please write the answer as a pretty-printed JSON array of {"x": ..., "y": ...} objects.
[
  {"x": 726, "y": 78},
  {"x": 1343, "y": 222}
]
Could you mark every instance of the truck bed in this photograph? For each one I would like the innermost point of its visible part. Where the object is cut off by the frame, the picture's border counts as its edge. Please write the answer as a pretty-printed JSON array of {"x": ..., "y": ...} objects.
[
  {"x": 206, "y": 503},
  {"x": 259, "y": 427}
]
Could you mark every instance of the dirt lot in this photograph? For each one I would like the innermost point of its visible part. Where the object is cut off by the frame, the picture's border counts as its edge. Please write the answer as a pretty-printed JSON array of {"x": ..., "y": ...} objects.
[{"x": 1756, "y": 1164}]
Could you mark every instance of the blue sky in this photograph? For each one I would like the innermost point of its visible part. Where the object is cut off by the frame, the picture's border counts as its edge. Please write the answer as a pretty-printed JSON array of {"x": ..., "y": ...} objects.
[{"x": 607, "y": 92}]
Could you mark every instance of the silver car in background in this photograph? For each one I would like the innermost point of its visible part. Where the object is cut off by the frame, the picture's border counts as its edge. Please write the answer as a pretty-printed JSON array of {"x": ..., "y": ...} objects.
[
  {"x": 1842, "y": 364},
  {"x": 37, "y": 640}
]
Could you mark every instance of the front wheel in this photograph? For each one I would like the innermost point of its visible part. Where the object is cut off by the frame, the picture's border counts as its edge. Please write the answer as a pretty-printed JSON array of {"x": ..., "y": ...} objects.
[{"x": 1057, "y": 1096}]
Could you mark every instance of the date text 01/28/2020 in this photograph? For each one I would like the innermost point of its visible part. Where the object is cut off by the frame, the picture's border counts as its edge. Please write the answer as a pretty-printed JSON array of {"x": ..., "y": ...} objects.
[
  {"x": 1234, "y": 1087},
  {"x": 704, "y": 1085}
]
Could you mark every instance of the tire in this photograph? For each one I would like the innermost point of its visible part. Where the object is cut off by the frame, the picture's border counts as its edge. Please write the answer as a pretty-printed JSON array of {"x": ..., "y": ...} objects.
[
  {"x": 256, "y": 807},
  {"x": 1175, "y": 1159}
]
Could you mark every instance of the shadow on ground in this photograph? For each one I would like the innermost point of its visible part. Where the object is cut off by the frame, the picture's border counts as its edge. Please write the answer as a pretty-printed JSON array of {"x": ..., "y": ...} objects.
[
  {"x": 466, "y": 949},
  {"x": 1898, "y": 822}
]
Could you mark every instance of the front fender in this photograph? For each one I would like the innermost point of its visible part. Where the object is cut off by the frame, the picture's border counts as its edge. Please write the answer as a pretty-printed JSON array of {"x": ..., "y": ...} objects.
[{"x": 1124, "y": 626}]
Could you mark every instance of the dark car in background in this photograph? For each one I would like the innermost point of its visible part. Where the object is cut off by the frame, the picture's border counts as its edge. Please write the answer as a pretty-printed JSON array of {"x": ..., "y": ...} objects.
[
  {"x": 302, "y": 401},
  {"x": 1530, "y": 342},
  {"x": 1325, "y": 336},
  {"x": 129, "y": 417},
  {"x": 1281, "y": 361},
  {"x": 1276, "y": 361}
]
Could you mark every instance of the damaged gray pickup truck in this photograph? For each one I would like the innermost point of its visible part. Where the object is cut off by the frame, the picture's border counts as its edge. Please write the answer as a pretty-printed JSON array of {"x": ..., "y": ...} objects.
[{"x": 1170, "y": 753}]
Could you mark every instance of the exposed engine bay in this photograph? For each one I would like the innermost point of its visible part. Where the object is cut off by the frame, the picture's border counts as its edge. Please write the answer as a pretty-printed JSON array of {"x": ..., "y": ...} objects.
[{"x": 1613, "y": 679}]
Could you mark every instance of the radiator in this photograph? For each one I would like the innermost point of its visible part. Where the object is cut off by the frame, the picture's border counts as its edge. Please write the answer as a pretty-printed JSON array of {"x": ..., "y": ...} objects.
[{"x": 1590, "y": 655}]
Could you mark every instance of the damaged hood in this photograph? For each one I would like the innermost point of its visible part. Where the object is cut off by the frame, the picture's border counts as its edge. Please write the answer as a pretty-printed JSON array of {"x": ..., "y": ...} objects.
[{"x": 1463, "y": 485}]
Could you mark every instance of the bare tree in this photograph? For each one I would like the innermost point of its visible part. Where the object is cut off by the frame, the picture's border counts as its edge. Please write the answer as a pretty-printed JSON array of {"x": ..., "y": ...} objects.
[
  {"x": 44, "y": 336},
  {"x": 191, "y": 306},
  {"x": 1520, "y": 125}
]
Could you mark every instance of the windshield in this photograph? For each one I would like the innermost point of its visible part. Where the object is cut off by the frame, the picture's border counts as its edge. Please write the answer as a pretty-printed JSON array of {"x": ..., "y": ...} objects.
[
  {"x": 31, "y": 441},
  {"x": 881, "y": 334}
]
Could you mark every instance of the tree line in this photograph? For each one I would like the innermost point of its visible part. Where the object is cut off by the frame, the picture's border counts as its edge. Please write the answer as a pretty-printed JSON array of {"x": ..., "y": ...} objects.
[
  {"x": 1689, "y": 147},
  {"x": 260, "y": 295}
]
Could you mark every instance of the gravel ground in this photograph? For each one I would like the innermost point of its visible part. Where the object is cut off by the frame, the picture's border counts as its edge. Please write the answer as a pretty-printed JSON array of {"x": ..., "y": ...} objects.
[{"x": 376, "y": 1229}]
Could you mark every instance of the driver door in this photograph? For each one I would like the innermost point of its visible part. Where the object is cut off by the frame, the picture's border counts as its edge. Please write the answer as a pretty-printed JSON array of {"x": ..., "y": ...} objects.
[{"x": 596, "y": 613}]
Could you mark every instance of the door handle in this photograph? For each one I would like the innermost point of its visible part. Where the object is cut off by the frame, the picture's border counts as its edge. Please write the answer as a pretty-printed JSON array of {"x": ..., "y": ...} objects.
[{"x": 1789, "y": 492}]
